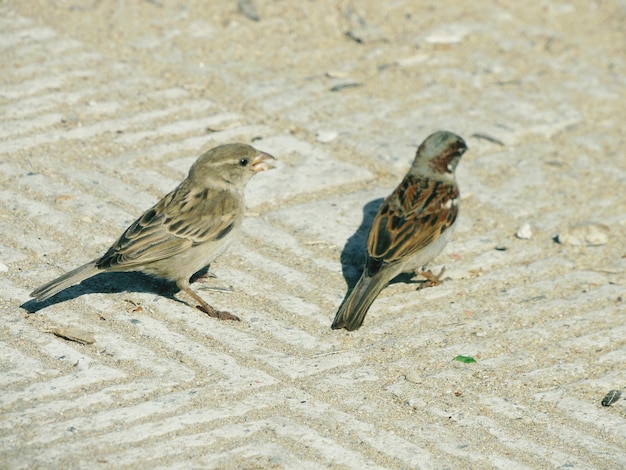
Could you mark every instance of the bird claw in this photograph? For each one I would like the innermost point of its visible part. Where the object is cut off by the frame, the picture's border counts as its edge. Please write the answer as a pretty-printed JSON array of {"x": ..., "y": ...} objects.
[
  {"x": 227, "y": 316},
  {"x": 220, "y": 315},
  {"x": 431, "y": 279}
]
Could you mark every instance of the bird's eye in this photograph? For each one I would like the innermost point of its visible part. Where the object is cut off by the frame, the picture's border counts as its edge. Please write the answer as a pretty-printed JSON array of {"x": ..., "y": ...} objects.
[{"x": 243, "y": 161}]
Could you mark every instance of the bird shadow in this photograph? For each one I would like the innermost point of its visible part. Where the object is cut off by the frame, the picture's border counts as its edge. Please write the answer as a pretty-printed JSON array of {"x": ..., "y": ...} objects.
[
  {"x": 113, "y": 283},
  {"x": 354, "y": 251}
]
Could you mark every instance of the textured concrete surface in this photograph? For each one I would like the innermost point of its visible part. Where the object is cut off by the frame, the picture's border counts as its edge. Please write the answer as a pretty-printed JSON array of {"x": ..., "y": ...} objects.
[{"x": 105, "y": 105}]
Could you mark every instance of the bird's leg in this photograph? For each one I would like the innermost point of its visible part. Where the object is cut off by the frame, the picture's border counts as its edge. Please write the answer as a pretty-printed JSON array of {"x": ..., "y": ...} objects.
[
  {"x": 206, "y": 308},
  {"x": 431, "y": 279}
]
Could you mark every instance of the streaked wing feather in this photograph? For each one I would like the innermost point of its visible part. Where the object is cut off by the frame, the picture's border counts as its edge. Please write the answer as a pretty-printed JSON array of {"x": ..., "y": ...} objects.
[
  {"x": 412, "y": 217},
  {"x": 180, "y": 220}
]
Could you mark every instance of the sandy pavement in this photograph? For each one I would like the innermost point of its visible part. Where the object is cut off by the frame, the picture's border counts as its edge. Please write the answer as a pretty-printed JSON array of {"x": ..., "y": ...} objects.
[{"x": 105, "y": 105}]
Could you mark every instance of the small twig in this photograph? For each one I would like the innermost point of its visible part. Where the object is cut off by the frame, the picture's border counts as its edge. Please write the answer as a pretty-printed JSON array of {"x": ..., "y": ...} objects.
[
  {"x": 316, "y": 242},
  {"x": 224, "y": 290},
  {"x": 488, "y": 138},
  {"x": 343, "y": 86},
  {"x": 330, "y": 353},
  {"x": 71, "y": 333},
  {"x": 601, "y": 270}
]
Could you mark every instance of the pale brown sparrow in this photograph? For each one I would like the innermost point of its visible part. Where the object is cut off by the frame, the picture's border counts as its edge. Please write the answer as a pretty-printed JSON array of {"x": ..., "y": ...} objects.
[
  {"x": 412, "y": 225},
  {"x": 186, "y": 230}
]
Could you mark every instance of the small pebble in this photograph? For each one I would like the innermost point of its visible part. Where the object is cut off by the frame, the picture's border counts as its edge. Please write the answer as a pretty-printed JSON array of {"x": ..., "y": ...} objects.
[
  {"x": 412, "y": 60},
  {"x": 413, "y": 376},
  {"x": 326, "y": 136},
  {"x": 525, "y": 232},
  {"x": 586, "y": 234},
  {"x": 248, "y": 9},
  {"x": 3, "y": 268},
  {"x": 449, "y": 34},
  {"x": 611, "y": 397}
]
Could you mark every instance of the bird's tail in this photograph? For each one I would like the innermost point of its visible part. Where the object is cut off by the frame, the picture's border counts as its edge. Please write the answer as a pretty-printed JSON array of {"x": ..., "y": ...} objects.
[
  {"x": 68, "y": 279},
  {"x": 353, "y": 310}
]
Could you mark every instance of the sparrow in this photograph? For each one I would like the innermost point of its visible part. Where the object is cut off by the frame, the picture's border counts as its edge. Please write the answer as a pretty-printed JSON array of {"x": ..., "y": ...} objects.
[
  {"x": 186, "y": 230},
  {"x": 411, "y": 227}
]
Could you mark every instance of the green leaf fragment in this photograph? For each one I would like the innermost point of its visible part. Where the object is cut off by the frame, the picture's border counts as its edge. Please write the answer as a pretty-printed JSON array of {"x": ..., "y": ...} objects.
[{"x": 465, "y": 359}]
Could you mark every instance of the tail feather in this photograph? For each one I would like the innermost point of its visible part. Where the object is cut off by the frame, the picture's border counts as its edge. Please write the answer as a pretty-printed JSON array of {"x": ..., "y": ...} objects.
[
  {"x": 68, "y": 279},
  {"x": 353, "y": 310}
]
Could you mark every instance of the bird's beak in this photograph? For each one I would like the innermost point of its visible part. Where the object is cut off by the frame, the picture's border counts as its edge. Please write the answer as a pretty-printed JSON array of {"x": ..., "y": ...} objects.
[{"x": 263, "y": 161}]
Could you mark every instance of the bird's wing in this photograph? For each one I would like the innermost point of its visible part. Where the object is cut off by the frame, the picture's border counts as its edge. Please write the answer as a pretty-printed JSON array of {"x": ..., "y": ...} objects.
[
  {"x": 181, "y": 219},
  {"x": 412, "y": 217}
]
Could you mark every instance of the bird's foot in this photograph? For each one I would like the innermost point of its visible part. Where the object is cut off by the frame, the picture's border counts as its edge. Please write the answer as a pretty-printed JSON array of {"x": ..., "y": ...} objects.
[
  {"x": 220, "y": 315},
  {"x": 431, "y": 279},
  {"x": 206, "y": 308}
]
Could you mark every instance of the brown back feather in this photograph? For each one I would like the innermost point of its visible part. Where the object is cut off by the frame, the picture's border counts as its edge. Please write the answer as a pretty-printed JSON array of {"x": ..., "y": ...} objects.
[{"x": 411, "y": 218}]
